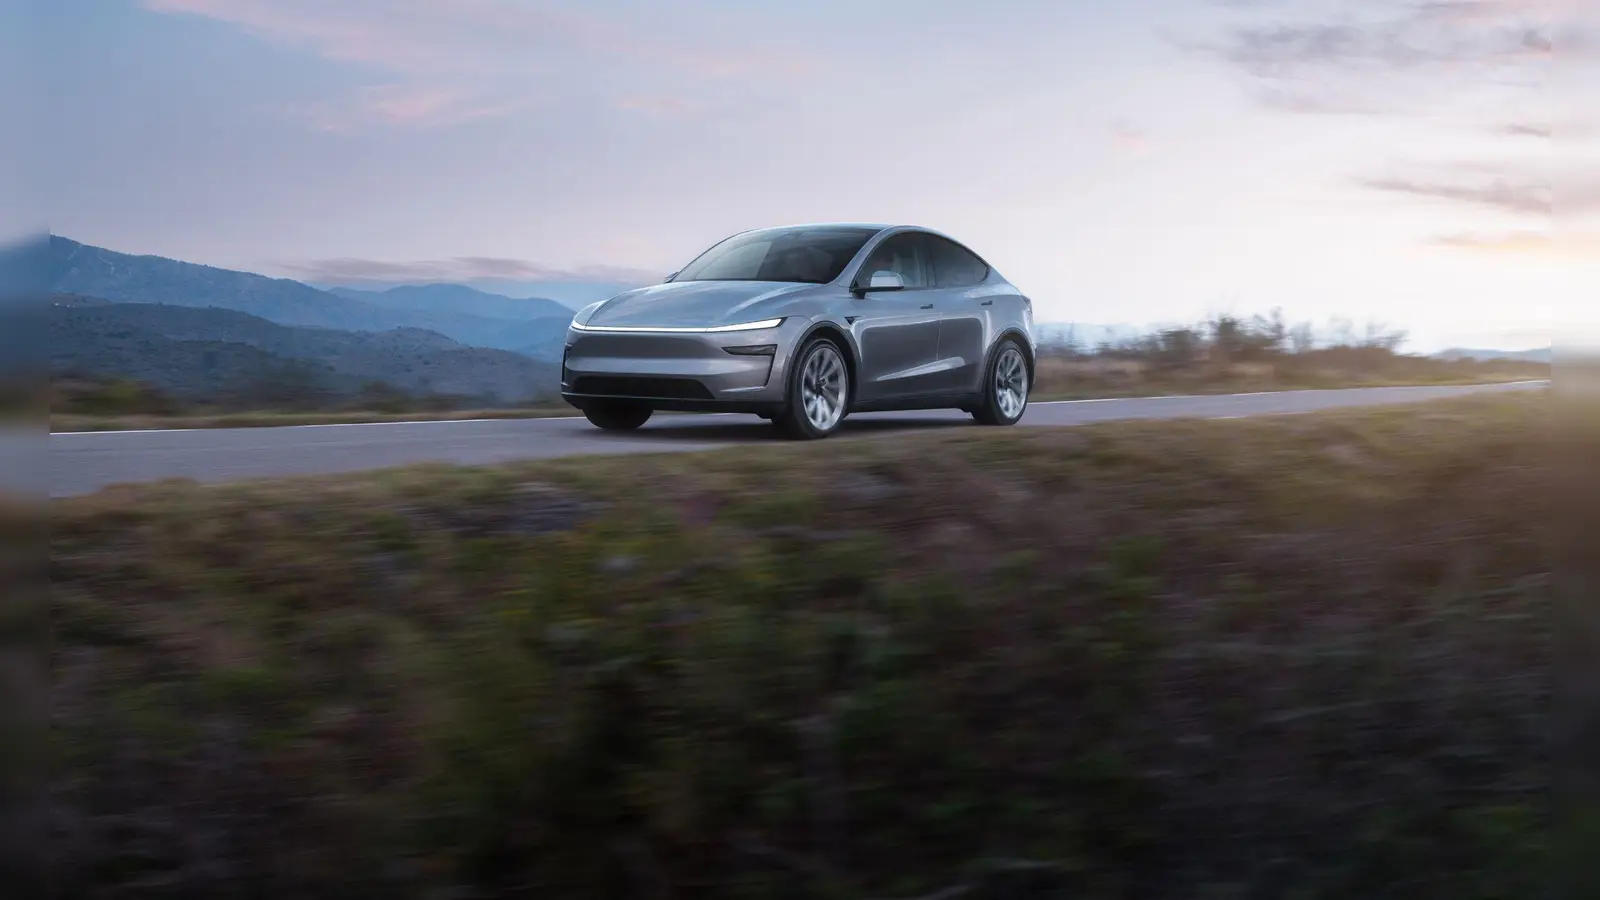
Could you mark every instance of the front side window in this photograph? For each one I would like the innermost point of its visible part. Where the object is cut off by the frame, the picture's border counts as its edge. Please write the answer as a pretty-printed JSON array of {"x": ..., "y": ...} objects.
[
  {"x": 803, "y": 255},
  {"x": 905, "y": 255}
]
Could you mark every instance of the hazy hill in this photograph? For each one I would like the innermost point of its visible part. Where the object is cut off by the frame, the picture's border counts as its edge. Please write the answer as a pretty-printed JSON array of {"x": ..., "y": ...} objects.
[
  {"x": 572, "y": 293},
  {"x": 193, "y": 370},
  {"x": 190, "y": 350},
  {"x": 76, "y": 268},
  {"x": 457, "y": 298},
  {"x": 1540, "y": 354}
]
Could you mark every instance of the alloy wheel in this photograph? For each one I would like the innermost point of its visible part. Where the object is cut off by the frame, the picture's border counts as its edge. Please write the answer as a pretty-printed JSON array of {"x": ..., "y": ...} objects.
[
  {"x": 1011, "y": 383},
  {"x": 824, "y": 388}
]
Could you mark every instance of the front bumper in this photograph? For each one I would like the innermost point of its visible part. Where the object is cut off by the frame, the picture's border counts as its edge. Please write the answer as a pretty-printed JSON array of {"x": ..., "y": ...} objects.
[{"x": 680, "y": 371}]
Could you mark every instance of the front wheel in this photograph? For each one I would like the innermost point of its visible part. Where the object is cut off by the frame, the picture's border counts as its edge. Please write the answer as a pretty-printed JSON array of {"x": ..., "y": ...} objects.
[
  {"x": 618, "y": 416},
  {"x": 1005, "y": 388},
  {"x": 819, "y": 392}
]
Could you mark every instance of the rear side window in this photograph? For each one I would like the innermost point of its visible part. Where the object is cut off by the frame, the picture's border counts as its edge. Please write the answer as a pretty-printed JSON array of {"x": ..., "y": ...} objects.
[{"x": 954, "y": 266}]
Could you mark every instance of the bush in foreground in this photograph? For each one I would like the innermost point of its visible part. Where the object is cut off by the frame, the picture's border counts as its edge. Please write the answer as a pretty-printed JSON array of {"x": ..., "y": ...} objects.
[{"x": 1303, "y": 657}]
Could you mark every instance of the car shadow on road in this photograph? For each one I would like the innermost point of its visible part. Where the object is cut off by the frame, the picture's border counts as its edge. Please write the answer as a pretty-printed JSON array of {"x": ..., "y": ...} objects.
[{"x": 749, "y": 429}]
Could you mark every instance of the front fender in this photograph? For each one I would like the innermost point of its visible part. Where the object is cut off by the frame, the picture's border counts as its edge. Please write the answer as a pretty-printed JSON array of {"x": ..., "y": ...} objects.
[{"x": 841, "y": 331}]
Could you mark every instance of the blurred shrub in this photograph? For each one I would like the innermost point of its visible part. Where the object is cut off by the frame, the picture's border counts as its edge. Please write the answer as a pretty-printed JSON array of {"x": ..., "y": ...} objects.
[
  {"x": 1231, "y": 352},
  {"x": 108, "y": 397}
]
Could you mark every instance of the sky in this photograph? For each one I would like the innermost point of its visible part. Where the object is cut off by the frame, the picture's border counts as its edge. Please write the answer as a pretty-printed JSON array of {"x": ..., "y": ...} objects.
[{"x": 1428, "y": 165}]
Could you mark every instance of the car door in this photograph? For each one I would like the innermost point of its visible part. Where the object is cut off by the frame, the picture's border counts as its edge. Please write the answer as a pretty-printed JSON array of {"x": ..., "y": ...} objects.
[
  {"x": 964, "y": 305},
  {"x": 897, "y": 331}
]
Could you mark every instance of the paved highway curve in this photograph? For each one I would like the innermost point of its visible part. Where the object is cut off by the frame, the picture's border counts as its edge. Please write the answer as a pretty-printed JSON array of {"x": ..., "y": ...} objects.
[{"x": 81, "y": 463}]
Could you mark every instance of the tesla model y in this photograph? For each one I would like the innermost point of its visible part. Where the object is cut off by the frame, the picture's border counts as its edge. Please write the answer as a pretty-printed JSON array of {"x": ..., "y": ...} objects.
[{"x": 805, "y": 324}]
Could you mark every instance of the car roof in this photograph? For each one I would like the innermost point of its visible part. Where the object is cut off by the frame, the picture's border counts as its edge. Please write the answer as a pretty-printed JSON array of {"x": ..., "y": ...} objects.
[{"x": 874, "y": 226}]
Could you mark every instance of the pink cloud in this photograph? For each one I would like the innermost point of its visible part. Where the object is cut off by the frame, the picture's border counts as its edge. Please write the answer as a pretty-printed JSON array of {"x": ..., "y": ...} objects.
[
  {"x": 1575, "y": 247},
  {"x": 344, "y": 32},
  {"x": 497, "y": 41},
  {"x": 413, "y": 106},
  {"x": 657, "y": 105},
  {"x": 400, "y": 105},
  {"x": 1130, "y": 139}
]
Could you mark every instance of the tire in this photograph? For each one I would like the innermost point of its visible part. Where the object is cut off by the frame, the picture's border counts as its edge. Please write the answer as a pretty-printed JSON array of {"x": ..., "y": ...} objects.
[
  {"x": 818, "y": 394},
  {"x": 1006, "y": 384},
  {"x": 618, "y": 416}
]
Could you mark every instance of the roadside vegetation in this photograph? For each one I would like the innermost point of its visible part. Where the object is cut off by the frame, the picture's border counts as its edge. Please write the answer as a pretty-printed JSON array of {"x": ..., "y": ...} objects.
[
  {"x": 1260, "y": 353},
  {"x": 1306, "y": 656},
  {"x": 83, "y": 403}
]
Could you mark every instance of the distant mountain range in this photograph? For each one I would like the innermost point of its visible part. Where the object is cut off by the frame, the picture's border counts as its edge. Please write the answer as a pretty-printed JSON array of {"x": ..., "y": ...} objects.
[
  {"x": 204, "y": 352},
  {"x": 456, "y": 298},
  {"x": 198, "y": 331},
  {"x": 84, "y": 270}
]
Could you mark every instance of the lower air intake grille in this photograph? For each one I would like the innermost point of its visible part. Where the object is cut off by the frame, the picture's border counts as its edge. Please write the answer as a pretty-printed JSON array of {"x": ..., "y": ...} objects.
[{"x": 654, "y": 388}]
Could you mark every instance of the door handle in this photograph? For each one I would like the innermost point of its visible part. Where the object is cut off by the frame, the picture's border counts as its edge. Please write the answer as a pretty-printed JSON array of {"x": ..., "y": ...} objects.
[
  {"x": 987, "y": 303},
  {"x": 927, "y": 306}
]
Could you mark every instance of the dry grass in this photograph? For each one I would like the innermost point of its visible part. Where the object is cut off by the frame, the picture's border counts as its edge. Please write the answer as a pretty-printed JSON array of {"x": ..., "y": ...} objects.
[
  {"x": 1071, "y": 378},
  {"x": 1296, "y": 657},
  {"x": 268, "y": 419}
]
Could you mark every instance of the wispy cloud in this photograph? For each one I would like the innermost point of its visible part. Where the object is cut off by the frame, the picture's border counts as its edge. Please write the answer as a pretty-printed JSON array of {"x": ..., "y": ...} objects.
[
  {"x": 1521, "y": 196},
  {"x": 465, "y": 59},
  {"x": 1526, "y": 129},
  {"x": 402, "y": 106},
  {"x": 1442, "y": 35},
  {"x": 1575, "y": 246},
  {"x": 1574, "y": 129},
  {"x": 659, "y": 105},
  {"x": 1132, "y": 140},
  {"x": 464, "y": 35},
  {"x": 1296, "y": 99},
  {"x": 461, "y": 269},
  {"x": 1526, "y": 189},
  {"x": 1388, "y": 57}
]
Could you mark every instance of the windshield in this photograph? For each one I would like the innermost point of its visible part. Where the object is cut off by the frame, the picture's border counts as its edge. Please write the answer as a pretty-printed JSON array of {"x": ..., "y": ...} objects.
[{"x": 805, "y": 255}]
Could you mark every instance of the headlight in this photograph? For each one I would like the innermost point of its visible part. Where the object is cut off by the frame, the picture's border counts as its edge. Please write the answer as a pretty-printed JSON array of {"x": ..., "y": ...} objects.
[
  {"x": 749, "y": 326},
  {"x": 715, "y": 329}
]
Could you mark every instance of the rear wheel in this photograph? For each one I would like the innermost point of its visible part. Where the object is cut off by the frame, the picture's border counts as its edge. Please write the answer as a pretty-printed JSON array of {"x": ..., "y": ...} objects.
[
  {"x": 819, "y": 392},
  {"x": 1005, "y": 388},
  {"x": 618, "y": 416}
]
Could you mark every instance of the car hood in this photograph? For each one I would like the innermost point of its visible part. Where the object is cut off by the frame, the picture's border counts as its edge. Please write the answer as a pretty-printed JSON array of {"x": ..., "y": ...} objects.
[{"x": 701, "y": 304}]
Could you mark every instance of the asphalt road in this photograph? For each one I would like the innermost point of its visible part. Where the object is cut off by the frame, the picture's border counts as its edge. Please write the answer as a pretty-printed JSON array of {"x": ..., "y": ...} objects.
[{"x": 80, "y": 463}]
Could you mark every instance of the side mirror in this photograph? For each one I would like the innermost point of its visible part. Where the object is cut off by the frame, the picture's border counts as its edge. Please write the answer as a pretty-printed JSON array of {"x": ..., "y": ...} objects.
[
  {"x": 882, "y": 280},
  {"x": 669, "y": 278}
]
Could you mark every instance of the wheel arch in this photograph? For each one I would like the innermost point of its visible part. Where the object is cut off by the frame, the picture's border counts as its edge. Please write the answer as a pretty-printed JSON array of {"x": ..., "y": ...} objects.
[
  {"x": 841, "y": 336},
  {"x": 1023, "y": 344}
]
